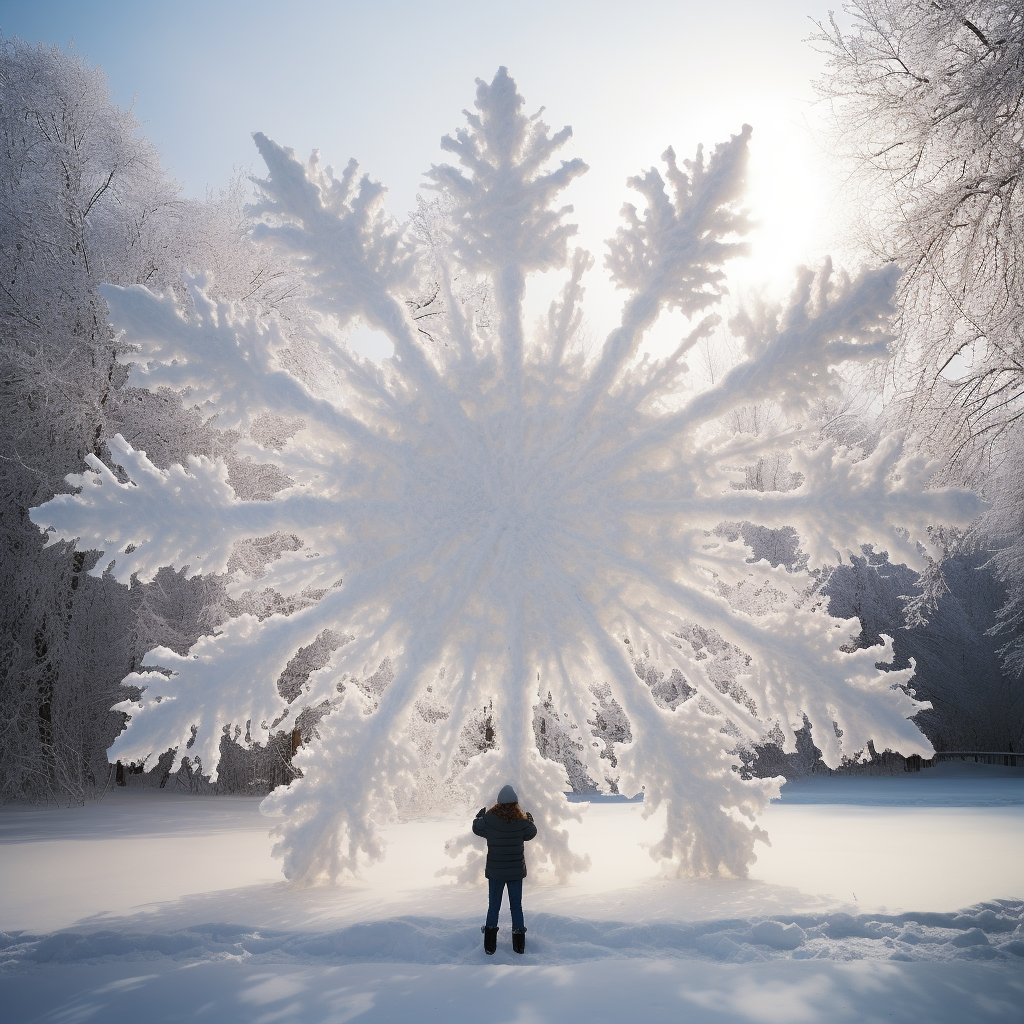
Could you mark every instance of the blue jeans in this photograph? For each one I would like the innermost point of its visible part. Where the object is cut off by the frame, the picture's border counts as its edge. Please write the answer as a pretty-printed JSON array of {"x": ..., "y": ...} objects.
[{"x": 495, "y": 888}]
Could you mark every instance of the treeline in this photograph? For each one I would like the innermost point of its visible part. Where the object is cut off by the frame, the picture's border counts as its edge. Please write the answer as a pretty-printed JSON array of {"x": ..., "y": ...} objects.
[{"x": 84, "y": 200}]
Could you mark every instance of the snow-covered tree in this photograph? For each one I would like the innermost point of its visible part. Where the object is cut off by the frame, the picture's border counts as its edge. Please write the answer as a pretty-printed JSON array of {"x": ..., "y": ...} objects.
[
  {"x": 83, "y": 200},
  {"x": 928, "y": 98},
  {"x": 73, "y": 176},
  {"x": 1002, "y": 526},
  {"x": 493, "y": 515},
  {"x": 976, "y": 704}
]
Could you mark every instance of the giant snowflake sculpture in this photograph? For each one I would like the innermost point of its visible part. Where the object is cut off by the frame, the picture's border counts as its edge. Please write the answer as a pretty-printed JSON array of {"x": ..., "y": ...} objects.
[{"x": 495, "y": 514}]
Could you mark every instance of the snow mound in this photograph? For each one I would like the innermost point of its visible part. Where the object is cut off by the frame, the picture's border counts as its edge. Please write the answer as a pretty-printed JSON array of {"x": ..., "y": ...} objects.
[{"x": 991, "y": 931}]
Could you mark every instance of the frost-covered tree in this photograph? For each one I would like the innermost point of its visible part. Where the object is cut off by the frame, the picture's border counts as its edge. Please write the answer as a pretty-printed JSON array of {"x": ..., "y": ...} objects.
[
  {"x": 493, "y": 515},
  {"x": 73, "y": 176},
  {"x": 928, "y": 98},
  {"x": 84, "y": 200},
  {"x": 1002, "y": 526},
  {"x": 975, "y": 703}
]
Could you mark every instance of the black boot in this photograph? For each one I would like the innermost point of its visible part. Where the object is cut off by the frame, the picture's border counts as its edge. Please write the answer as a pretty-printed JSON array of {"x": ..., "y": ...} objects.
[
  {"x": 518, "y": 940},
  {"x": 490, "y": 939}
]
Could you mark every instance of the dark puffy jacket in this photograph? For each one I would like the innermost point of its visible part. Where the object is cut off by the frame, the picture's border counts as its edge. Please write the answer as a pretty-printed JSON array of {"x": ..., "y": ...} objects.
[{"x": 506, "y": 860}]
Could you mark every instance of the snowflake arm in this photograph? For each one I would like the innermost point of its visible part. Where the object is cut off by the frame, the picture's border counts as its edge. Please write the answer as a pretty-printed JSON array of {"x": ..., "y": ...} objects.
[
  {"x": 502, "y": 218},
  {"x": 672, "y": 257}
]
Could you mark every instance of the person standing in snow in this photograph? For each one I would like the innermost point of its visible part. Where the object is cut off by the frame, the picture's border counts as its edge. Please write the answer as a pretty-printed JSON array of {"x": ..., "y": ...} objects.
[{"x": 505, "y": 827}]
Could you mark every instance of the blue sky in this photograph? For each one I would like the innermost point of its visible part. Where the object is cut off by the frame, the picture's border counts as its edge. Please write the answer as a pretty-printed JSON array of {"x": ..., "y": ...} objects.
[{"x": 384, "y": 81}]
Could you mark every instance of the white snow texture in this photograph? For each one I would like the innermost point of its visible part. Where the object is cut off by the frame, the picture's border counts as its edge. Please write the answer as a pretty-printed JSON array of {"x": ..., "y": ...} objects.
[{"x": 496, "y": 513}]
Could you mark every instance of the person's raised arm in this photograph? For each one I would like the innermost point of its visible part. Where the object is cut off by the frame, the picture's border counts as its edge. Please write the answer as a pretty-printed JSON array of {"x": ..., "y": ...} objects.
[{"x": 478, "y": 822}]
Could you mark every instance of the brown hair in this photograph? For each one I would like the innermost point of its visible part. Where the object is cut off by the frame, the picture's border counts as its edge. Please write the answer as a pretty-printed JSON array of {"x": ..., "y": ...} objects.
[{"x": 508, "y": 812}]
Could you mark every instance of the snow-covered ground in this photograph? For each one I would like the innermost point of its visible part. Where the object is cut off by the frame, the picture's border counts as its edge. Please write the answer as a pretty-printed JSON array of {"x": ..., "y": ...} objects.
[{"x": 880, "y": 899}]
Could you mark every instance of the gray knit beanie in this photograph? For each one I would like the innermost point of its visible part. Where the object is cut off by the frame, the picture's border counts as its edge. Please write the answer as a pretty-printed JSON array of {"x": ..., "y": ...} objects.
[{"x": 507, "y": 796}]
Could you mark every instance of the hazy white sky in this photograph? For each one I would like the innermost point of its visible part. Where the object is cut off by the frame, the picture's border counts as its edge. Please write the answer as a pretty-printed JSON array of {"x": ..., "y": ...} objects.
[{"x": 384, "y": 81}]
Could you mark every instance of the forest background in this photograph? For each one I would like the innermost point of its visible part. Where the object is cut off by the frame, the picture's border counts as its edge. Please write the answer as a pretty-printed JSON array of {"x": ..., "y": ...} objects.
[{"x": 922, "y": 112}]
